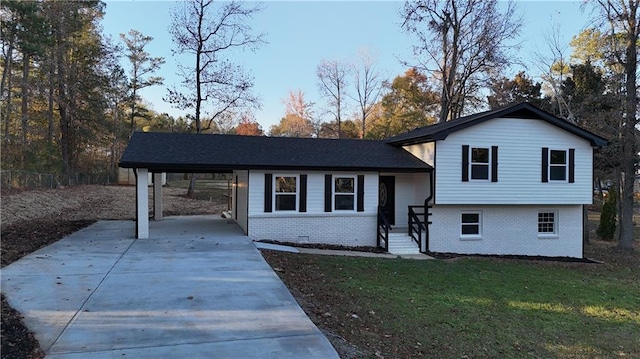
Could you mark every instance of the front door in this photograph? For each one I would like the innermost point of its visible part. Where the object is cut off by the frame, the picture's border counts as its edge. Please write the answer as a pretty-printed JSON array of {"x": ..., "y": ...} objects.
[{"x": 386, "y": 197}]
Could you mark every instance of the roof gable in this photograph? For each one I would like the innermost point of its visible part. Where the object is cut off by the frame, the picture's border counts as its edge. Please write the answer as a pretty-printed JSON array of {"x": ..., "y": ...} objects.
[
  {"x": 525, "y": 110},
  {"x": 179, "y": 152}
]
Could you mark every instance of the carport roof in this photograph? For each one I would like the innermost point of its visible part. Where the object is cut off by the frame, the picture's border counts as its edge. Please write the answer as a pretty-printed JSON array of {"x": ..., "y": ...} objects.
[{"x": 180, "y": 152}]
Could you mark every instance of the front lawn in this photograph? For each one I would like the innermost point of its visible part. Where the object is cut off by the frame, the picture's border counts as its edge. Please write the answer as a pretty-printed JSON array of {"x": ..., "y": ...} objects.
[{"x": 468, "y": 308}]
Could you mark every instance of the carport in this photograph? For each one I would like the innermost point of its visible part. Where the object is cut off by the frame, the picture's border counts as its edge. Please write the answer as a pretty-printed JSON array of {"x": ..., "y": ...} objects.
[{"x": 155, "y": 154}]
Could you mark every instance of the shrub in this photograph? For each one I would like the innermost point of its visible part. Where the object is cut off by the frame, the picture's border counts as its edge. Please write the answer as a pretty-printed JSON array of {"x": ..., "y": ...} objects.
[{"x": 607, "y": 227}]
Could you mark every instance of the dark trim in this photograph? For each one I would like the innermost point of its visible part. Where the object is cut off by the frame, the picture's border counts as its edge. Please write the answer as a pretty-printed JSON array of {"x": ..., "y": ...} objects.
[
  {"x": 302, "y": 206},
  {"x": 525, "y": 110},
  {"x": 268, "y": 192},
  {"x": 248, "y": 191},
  {"x": 360, "y": 199},
  {"x": 328, "y": 192},
  {"x": 135, "y": 174},
  {"x": 465, "y": 163},
  {"x": 433, "y": 173},
  {"x": 228, "y": 168},
  {"x": 494, "y": 163},
  {"x": 572, "y": 165},
  {"x": 583, "y": 229},
  {"x": 545, "y": 165}
]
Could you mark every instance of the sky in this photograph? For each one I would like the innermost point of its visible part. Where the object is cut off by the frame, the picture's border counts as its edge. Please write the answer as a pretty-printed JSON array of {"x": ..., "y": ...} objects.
[{"x": 300, "y": 34}]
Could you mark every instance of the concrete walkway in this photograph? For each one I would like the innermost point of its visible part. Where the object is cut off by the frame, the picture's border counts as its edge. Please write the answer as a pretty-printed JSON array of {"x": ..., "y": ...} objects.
[{"x": 198, "y": 288}]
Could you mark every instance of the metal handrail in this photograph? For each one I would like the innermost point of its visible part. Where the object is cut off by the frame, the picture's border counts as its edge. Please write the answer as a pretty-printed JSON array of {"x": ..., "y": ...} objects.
[
  {"x": 383, "y": 230},
  {"x": 415, "y": 225}
]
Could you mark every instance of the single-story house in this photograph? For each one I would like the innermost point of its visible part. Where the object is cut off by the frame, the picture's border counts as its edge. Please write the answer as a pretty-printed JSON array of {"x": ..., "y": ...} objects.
[{"x": 511, "y": 181}]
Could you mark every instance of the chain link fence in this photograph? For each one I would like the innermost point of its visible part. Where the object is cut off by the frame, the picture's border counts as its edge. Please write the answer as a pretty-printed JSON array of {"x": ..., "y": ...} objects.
[{"x": 25, "y": 179}]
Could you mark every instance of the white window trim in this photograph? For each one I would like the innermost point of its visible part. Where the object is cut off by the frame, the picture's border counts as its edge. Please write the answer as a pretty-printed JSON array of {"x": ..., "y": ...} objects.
[
  {"x": 471, "y": 163},
  {"x": 566, "y": 165},
  {"x": 297, "y": 194},
  {"x": 556, "y": 229},
  {"x": 471, "y": 237},
  {"x": 333, "y": 192}
]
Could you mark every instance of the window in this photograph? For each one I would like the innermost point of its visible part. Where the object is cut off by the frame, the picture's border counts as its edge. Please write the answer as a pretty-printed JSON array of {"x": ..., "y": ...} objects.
[
  {"x": 285, "y": 193},
  {"x": 470, "y": 224},
  {"x": 480, "y": 163},
  {"x": 557, "y": 165},
  {"x": 344, "y": 191},
  {"x": 546, "y": 223}
]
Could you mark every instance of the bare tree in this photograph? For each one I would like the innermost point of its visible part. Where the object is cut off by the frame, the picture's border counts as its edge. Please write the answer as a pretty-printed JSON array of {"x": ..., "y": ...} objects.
[
  {"x": 461, "y": 40},
  {"x": 368, "y": 86},
  {"x": 208, "y": 31},
  {"x": 295, "y": 104},
  {"x": 332, "y": 77},
  {"x": 622, "y": 19},
  {"x": 142, "y": 65},
  {"x": 554, "y": 66}
]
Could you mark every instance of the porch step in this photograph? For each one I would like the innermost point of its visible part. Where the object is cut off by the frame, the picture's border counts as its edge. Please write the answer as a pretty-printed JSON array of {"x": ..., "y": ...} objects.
[{"x": 402, "y": 243}]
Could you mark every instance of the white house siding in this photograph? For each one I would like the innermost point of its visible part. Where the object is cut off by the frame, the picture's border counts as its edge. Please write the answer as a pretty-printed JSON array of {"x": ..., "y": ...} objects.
[
  {"x": 424, "y": 151},
  {"x": 520, "y": 142},
  {"x": 410, "y": 189},
  {"x": 507, "y": 230},
  {"x": 350, "y": 228},
  {"x": 240, "y": 198}
]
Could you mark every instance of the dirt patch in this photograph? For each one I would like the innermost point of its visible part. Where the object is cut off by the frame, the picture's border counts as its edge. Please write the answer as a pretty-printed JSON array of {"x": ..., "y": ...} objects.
[
  {"x": 33, "y": 219},
  {"x": 98, "y": 202}
]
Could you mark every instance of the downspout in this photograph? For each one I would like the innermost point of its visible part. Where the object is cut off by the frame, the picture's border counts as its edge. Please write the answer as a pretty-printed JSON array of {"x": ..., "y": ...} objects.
[
  {"x": 135, "y": 174},
  {"x": 426, "y": 208}
]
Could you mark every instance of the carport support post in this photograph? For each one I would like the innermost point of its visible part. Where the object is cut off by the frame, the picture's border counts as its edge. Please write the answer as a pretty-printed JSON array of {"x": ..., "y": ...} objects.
[
  {"x": 157, "y": 196},
  {"x": 142, "y": 203}
]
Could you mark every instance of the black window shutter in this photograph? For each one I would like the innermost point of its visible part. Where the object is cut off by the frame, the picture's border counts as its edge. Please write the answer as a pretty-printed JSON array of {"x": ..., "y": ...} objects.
[
  {"x": 360, "y": 193},
  {"x": 268, "y": 180},
  {"x": 494, "y": 163},
  {"x": 545, "y": 164},
  {"x": 327, "y": 192},
  {"x": 572, "y": 161},
  {"x": 465, "y": 163},
  {"x": 303, "y": 194}
]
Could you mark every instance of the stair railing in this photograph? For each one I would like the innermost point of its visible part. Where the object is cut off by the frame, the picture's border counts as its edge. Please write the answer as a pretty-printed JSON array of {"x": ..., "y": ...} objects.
[
  {"x": 383, "y": 230},
  {"x": 416, "y": 226}
]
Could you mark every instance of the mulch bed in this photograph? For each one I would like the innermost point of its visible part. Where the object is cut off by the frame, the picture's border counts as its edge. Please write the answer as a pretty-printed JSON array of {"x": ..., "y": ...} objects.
[
  {"x": 24, "y": 237},
  {"x": 334, "y": 247},
  {"x": 17, "y": 340},
  {"x": 18, "y": 240}
]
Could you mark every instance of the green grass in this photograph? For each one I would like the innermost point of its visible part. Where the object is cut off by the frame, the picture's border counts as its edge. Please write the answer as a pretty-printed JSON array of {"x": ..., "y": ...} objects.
[
  {"x": 492, "y": 308},
  {"x": 205, "y": 189}
]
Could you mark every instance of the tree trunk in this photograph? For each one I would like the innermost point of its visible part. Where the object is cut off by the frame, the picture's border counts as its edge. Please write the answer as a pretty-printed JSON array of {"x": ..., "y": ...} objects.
[
  {"x": 629, "y": 156},
  {"x": 6, "y": 79},
  {"x": 9, "y": 109},
  {"x": 51, "y": 94},
  {"x": 192, "y": 185},
  {"x": 24, "y": 111},
  {"x": 63, "y": 103}
]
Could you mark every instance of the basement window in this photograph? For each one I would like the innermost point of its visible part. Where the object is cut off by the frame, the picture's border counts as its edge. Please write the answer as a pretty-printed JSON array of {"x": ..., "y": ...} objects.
[
  {"x": 547, "y": 224},
  {"x": 471, "y": 225}
]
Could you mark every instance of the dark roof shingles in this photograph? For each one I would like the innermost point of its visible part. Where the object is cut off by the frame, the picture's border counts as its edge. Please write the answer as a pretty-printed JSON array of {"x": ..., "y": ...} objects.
[{"x": 177, "y": 151}]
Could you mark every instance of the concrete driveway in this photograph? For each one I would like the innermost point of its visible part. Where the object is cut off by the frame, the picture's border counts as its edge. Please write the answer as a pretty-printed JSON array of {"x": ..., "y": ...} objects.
[{"x": 198, "y": 288}]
